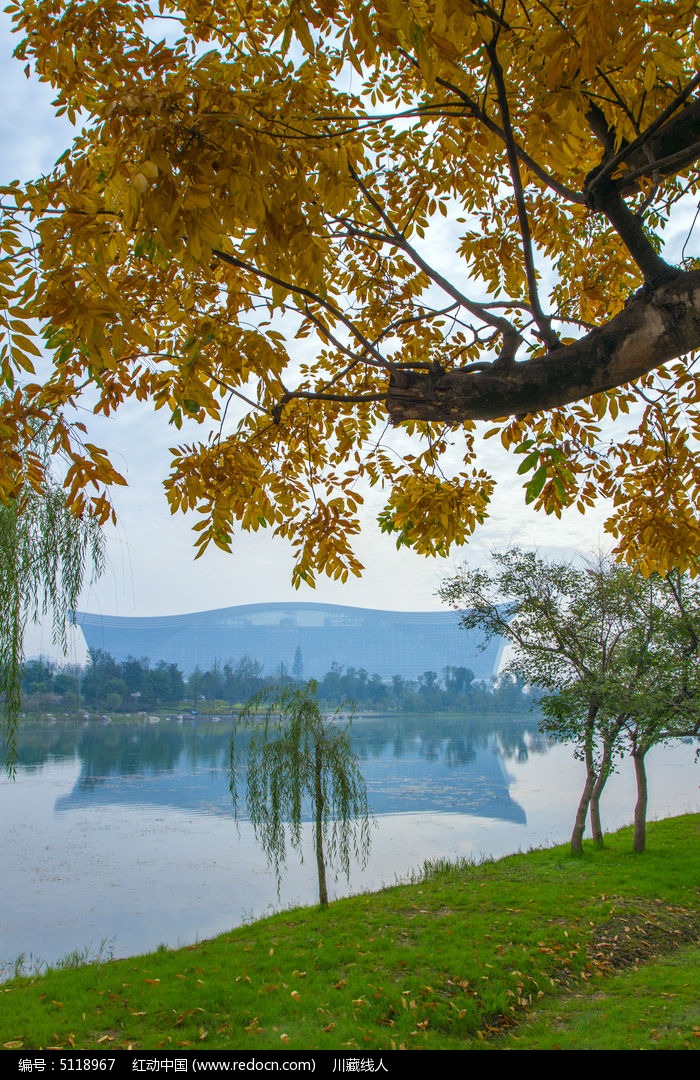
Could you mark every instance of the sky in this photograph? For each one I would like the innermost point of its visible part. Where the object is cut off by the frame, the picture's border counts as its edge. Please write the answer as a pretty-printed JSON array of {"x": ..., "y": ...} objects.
[{"x": 150, "y": 557}]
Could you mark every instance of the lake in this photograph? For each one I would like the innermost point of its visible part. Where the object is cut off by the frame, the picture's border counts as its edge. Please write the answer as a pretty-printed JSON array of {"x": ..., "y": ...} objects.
[{"x": 119, "y": 837}]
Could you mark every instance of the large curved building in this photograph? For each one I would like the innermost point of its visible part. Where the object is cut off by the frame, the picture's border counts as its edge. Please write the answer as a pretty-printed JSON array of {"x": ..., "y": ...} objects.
[{"x": 386, "y": 643}]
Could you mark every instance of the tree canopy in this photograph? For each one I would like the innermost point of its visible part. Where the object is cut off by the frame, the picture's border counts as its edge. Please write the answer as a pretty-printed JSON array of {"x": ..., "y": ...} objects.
[{"x": 299, "y": 223}]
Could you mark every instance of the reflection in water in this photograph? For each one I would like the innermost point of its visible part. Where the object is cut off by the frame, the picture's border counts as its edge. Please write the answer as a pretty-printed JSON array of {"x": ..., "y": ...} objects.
[
  {"x": 409, "y": 764},
  {"x": 124, "y": 832}
]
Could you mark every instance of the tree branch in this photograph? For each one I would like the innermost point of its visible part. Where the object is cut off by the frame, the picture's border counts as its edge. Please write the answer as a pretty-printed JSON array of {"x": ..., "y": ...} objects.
[
  {"x": 396, "y": 238},
  {"x": 544, "y": 324},
  {"x": 647, "y": 153},
  {"x": 656, "y": 326},
  {"x": 630, "y": 228},
  {"x": 299, "y": 290},
  {"x": 478, "y": 113}
]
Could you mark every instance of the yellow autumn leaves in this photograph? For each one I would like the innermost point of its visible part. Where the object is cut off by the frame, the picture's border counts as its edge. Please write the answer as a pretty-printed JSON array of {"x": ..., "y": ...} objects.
[{"x": 271, "y": 210}]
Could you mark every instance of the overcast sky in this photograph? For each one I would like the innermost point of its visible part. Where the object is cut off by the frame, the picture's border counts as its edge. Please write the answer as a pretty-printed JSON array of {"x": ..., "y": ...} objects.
[{"x": 151, "y": 569}]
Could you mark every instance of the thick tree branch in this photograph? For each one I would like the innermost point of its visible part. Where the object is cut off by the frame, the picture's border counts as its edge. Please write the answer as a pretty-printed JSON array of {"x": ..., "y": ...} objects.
[
  {"x": 665, "y": 166},
  {"x": 630, "y": 228},
  {"x": 655, "y": 327},
  {"x": 666, "y": 147}
]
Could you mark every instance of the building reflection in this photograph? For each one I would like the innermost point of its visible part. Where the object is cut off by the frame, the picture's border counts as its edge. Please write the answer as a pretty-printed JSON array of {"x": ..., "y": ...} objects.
[{"x": 411, "y": 764}]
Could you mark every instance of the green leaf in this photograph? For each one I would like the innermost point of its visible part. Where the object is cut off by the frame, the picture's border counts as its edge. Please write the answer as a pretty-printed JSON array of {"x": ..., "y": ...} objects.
[
  {"x": 529, "y": 462},
  {"x": 535, "y": 486}
]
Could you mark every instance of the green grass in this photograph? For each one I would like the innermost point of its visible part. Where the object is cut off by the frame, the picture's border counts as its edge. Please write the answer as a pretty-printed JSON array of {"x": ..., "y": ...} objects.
[
  {"x": 651, "y": 1006},
  {"x": 535, "y": 951}
]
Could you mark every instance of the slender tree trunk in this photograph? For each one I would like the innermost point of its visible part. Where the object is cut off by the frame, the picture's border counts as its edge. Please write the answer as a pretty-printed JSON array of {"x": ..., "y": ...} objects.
[
  {"x": 591, "y": 777},
  {"x": 596, "y": 827},
  {"x": 318, "y": 800},
  {"x": 581, "y": 814},
  {"x": 601, "y": 781},
  {"x": 640, "y": 811}
]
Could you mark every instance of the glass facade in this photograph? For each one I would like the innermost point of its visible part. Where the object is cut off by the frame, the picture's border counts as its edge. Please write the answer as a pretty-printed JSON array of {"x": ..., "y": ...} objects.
[{"x": 386, "y": 643}]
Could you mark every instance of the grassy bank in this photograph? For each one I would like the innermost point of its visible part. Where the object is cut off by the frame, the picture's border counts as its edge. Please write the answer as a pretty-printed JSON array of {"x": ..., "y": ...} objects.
[{"x": 515, "y": 954}]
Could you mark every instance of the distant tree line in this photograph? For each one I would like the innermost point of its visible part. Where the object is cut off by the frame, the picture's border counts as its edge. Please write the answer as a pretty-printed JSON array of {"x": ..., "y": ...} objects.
[{"x": 106, "y": 685}]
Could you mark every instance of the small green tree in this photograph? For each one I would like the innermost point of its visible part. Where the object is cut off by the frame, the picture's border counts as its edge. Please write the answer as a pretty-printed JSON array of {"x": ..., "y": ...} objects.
[
  {"x": 661, "y": 699},
  {"x": 616, "y": 654},
  {"x": 302, "y": 762},
  {"x": 645, "y": 690}
]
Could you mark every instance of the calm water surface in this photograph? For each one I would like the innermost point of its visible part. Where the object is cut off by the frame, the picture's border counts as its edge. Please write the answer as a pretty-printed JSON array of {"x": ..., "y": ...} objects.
[{"x": 120, "y": 837}]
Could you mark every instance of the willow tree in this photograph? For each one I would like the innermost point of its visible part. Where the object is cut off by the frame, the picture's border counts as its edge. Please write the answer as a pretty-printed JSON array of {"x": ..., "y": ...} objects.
[
  {"x": 300, "y": 222},
  {"x": 301, "y": 765},
  {"x": 44, "y": 552}
]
